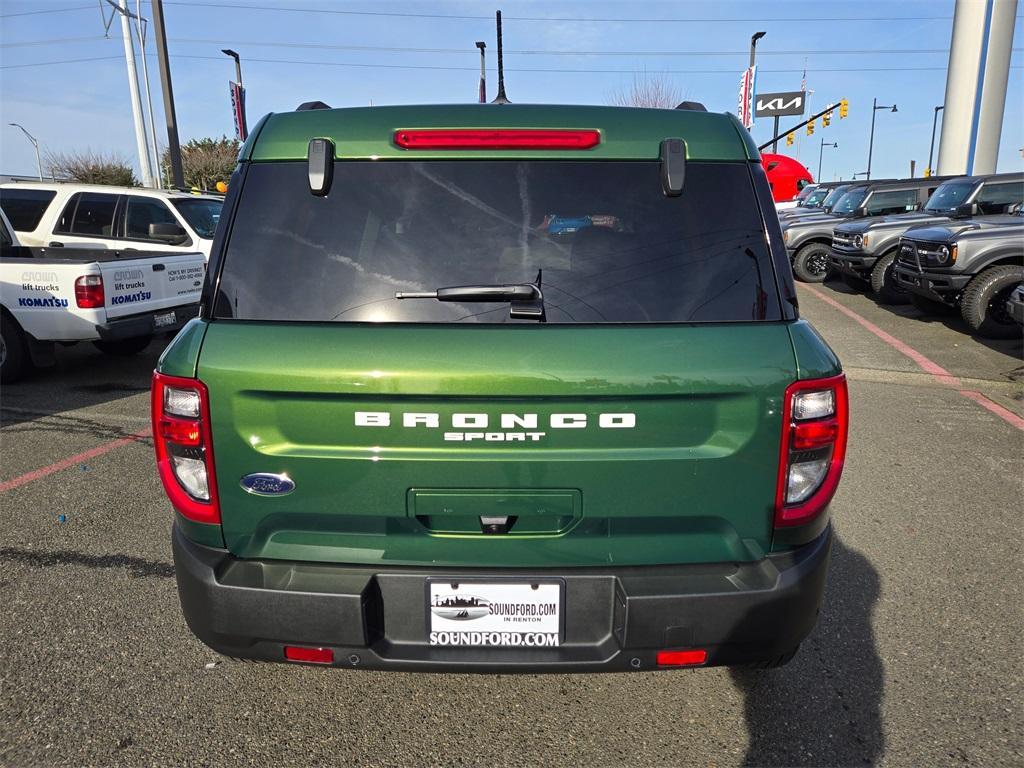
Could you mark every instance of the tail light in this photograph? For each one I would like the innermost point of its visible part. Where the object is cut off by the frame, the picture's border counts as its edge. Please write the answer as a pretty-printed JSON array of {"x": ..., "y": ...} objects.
[
  {"x": 184, "y": 448},
  {"x": 89, "y": 291},
  {"x": 815, "y": 421}
]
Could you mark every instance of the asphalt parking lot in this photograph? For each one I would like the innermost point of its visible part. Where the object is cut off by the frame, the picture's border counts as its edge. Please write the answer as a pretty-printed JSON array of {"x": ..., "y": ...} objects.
[{"x": 916, "y": 660}]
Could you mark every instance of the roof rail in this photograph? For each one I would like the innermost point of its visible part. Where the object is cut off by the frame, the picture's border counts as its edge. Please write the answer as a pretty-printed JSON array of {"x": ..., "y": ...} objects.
[
  {"x": 693, "y": 106},
  {"x": 307, "y": 105}
]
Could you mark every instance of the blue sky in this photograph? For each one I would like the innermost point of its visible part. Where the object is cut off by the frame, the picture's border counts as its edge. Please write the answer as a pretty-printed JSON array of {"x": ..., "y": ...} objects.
[{"x": 84, "y": 104}]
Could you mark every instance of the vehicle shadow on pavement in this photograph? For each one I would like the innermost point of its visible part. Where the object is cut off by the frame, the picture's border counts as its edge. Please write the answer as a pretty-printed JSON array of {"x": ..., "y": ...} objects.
[{"x": 824, "y": 707}]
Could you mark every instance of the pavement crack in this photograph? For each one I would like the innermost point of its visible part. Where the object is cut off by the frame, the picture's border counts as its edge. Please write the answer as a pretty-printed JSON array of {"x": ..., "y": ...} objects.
[{"x": 136, "y": 566}]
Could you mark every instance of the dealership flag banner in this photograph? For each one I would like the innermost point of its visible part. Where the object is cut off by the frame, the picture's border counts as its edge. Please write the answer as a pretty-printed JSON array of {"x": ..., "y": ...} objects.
[
  {"x": 238, "y": 110},
  {"x": 745, "y": 107}
]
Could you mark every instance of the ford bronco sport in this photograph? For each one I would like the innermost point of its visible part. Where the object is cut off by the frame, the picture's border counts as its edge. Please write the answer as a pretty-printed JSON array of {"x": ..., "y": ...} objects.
[{"x": 500, "y": 388}]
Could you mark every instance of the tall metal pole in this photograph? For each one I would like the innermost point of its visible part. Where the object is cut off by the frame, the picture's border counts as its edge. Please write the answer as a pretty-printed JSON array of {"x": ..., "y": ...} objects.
[
  {"x": 775, "y": 132},
  {"x": 501, "y": 98},
  {"x": 482, "y": 93},
  {"x": 243, "y": 128},
  {"x": 35, "y": 143},
  {"x": 931, "y": 149},
  {"x": 821, "y": 152},
  {"x": 149, "y": 95},
  {"x": 173, "y": 148},
  {"x": 133, "y": 88},
  {"x": 753, "y": 45},
  {"x": 871, "y": 141}
]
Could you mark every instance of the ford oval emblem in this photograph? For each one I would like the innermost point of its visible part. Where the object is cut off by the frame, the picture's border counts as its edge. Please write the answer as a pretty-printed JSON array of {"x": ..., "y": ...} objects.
[{"x": 267, "y": 484}]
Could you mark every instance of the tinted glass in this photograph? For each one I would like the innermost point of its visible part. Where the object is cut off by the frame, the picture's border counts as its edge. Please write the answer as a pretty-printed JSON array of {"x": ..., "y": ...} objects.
[
  {"x": 610, "y": 246},
  {"x": 892, "y": 201},
  {"x": 88, "y": 213},
  {"x": 833, "y": 197},
  {"x": 949, "y": 196},
  {"x": 5, "y": 236},
  {"x": 815, "y": 198},
  {"x": 997, "y": 198},
  {"x": 142, "y": 212},
  {"x": 201, "y": 214},
  {"x": 849, "y": 202},
  {"x": 25, "y": 207}
]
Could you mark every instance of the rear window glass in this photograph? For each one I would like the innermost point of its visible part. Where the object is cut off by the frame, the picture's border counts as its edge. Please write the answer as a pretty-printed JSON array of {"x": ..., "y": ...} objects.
[
  {"x": 25, "y": 207},
  {"x": 608, "y": 245}
]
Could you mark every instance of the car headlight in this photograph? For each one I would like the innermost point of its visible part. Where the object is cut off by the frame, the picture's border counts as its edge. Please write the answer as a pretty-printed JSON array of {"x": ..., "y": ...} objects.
[
  {"x": 941, "y": 254},
  {"x": 858, "y": 240}
]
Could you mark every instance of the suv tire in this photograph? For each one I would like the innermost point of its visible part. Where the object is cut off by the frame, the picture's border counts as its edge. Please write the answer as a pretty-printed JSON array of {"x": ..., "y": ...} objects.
[
  {"x": 983, "y": 304},
  {"x": 884, "y": 285},
  {"x": 810, "y": 264},
  {"x": 14, "y": 358},
  {"x": 123, "y": 347}
]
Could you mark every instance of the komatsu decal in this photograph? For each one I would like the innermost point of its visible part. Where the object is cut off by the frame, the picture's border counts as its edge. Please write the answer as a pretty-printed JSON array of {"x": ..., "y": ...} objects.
[
  {"x": 514, "y": 427},
  {"x": 131, "y": 298},
  {"x": 51, "y": 302}
]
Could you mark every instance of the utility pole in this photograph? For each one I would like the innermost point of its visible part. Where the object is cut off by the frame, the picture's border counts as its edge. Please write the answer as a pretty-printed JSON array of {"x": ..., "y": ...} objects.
[
  {"x": 931, "y": 149},
  {"x": 482, "y": 95},
  {"x": 35, "y": 144},
  {"x": 871, "y": 141},
  {"x": 173, "y": 147},
  {"x": 149, "y": 96},
  {"x": 133, "y": 88}
]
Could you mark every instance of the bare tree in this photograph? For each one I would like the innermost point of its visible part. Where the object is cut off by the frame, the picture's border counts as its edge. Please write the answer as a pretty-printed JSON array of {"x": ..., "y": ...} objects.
[
  {"x": 647, "y": 90},
  {"x": 88, "y": 167}
]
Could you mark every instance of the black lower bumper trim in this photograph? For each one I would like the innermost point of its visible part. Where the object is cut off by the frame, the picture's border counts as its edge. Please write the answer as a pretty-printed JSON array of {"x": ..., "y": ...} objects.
[
  {"x": 145, "y": 324},
  {"x": 937, "y": 286},
  {"x": 858, "y": 266},
  {"x": 616, "y": 619}
]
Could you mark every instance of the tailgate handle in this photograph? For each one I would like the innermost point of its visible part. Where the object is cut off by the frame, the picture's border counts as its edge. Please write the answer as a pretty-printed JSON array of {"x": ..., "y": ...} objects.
[
  {"x": 496, "y": 523},
  {"x": 55, "y": 244},
  {"x": 159, "y": 267}
]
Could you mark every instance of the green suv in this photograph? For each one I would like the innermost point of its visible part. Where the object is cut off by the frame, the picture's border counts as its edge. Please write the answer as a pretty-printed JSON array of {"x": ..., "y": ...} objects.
[{"x": 500, "y": 388}]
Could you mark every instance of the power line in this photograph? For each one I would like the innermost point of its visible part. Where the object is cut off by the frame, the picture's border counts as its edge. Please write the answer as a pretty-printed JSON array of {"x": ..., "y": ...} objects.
[
  {"x": 428, "y": 67},
  {"x": 47, "y": 10},
  {"x": 463, "y": 51},
  {"x": 293, "y": 9}
]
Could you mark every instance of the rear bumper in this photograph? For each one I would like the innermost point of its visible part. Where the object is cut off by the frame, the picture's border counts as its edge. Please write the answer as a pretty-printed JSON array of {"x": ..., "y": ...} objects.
[
  {"x": 857, "y": 265},
  {"x": 144, "y": 324},
  {"x": 616, "y": 619},
  {"x": 937, "y": 286}
]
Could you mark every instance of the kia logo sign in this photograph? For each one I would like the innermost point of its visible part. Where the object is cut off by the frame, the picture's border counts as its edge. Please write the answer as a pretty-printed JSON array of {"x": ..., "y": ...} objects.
[{"x": 779, "y": 104}]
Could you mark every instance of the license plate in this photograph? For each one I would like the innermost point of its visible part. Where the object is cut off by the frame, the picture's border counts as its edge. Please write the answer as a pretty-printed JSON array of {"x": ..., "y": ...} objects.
[
  {"x": 163, "y": 320},
  {"x": 510, "y": 614}
]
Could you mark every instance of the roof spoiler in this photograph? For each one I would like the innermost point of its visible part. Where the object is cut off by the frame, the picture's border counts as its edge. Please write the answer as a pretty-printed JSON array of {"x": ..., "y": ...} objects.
[
  {"x": 693, "y": 106},
  {"x": 308, "y": 105}
]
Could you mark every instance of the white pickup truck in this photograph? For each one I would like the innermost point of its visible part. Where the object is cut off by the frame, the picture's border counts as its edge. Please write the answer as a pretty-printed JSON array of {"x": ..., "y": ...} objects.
[{"x": 116, "y": 299}]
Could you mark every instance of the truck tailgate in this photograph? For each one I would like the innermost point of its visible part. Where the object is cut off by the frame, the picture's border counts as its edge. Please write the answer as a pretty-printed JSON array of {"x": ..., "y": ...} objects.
[
  {"x": 619, "y": 446},
  {"x": 150, "y": 283}
]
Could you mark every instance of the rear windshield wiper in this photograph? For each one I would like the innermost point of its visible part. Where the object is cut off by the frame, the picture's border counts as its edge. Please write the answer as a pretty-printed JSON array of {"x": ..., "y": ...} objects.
[{"x": 527, "y": 299}]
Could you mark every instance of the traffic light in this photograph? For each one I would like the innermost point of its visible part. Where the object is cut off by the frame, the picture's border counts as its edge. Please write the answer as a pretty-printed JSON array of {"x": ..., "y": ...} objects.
[
  {"x": 826, "y": 120},
  {"x": 810, "y": 128},
  {"x": 844, "y": 108},
  {"x": 789, "y": 139}
]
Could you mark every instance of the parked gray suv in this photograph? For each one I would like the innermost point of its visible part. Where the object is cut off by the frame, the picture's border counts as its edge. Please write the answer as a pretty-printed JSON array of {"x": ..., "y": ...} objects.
[
  {"x": 975, "y": 265},
  {"x": 863, "y": 252},
  {"x": 808, "y": 238}
]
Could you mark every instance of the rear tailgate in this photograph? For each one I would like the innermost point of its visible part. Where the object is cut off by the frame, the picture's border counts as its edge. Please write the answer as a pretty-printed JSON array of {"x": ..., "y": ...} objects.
[
  {"x": 151, "y": 283},
  {"x": 398, "y": 439}
]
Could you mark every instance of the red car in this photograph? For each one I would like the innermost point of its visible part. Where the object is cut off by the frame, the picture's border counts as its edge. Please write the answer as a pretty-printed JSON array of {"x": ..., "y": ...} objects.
[{"x": 786, "y": 176}]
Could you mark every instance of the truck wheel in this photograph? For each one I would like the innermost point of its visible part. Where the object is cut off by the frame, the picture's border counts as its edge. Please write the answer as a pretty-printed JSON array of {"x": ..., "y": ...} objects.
[
  {"x": 123, "y": 347},
  {"x": 983, "y": 304},
  {"x": 930, "y": 306},
  {"x": 14, "y": 358},
  {"x": 810, "y": 264},
  {"x": 883, "y": 282}
]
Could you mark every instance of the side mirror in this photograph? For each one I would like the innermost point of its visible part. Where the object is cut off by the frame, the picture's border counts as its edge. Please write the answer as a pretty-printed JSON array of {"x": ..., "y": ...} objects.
[
  {"x": 965, "y": 211},
  {"x": 165, "y": 232},
  {"x": 860, "y": 212}
]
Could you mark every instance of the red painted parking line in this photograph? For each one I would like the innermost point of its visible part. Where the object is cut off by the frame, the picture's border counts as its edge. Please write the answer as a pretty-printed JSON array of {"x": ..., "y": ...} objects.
[
  {"x": 78, "y": 458},
  {"x": 939, "y": 373}
]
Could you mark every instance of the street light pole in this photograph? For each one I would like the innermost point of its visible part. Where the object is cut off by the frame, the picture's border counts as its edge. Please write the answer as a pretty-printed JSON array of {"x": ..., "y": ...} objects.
[
  {"x": 931, "y": 149},
  {"x": 871, "y": 141},
  {"x": 238, "y": 64},
  {"x": 243, "y": 128},
  {"x": 39, "y": 165},
  {"x": 482, "y": 90},
  {"x": 821, "y": 153},
  {"x": 753, "y": 45}
]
